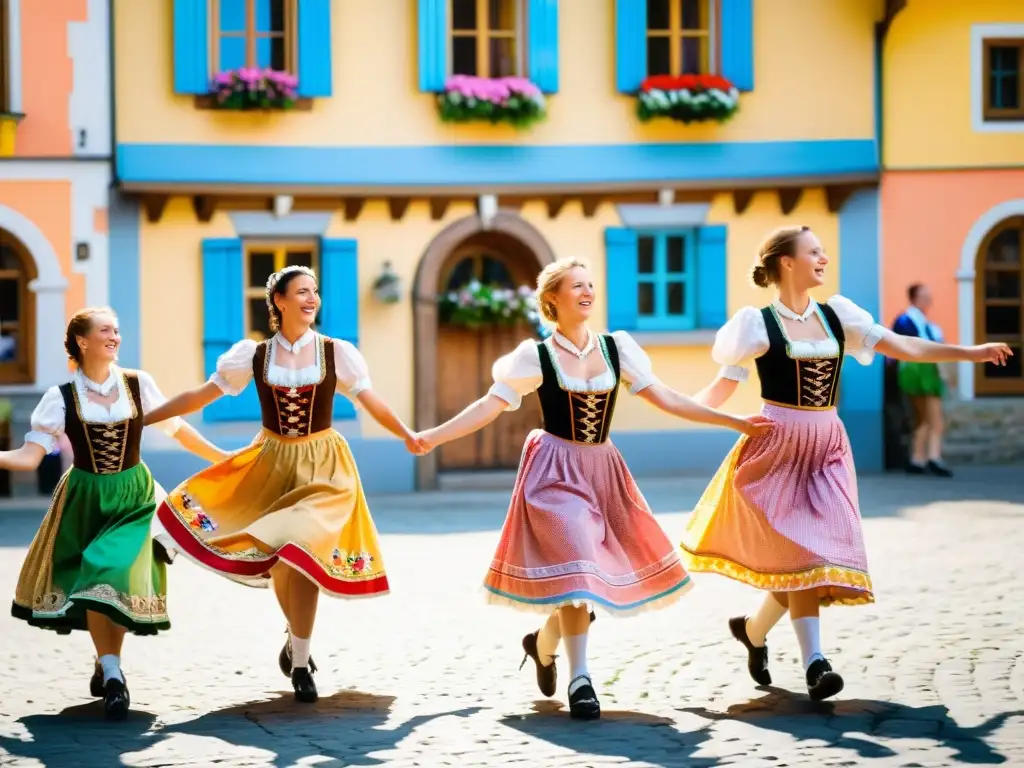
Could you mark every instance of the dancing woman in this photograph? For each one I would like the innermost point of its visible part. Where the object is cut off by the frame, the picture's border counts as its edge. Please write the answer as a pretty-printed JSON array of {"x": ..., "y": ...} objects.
[
  {"x": 91, "y": 566},
  {"x": 782, "y": 513},
  {"x": 289, "y": 509},
  {"x": 578, "y": 530}
]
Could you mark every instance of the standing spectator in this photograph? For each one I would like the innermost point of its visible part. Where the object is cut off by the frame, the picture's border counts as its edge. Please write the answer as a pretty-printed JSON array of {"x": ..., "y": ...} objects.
[{"x": 923, "y": 386}]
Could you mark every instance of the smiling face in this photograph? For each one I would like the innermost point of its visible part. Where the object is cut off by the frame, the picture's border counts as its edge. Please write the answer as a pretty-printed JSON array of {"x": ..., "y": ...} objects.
[
  {"x": 101, "y": 342},
  {"x": 805, "y": 269},
  {"x": 299, "y": 302},
  {"x": 573, "y": 299}
]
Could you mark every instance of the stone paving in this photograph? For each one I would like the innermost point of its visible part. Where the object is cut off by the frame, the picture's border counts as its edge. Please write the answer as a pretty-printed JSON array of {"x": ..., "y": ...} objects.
[{"x": 428, "y": 676}]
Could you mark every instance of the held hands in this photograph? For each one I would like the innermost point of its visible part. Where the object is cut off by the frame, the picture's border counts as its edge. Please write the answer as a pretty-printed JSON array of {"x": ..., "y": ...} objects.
[
  {"x": 756, "y": 425},
  {"x": 418, "y": 444},
  {"x": 996, "y": 353}
]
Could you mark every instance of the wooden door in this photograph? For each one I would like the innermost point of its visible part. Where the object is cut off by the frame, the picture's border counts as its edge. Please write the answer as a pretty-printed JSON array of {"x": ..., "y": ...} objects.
[{"x": 999, "y": 306}]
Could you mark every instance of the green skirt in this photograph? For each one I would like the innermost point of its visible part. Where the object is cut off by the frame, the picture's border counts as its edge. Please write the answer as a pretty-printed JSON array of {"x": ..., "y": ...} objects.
[
  {"x": 94, "y": 552},
  {"x": 921, "y": 380}
]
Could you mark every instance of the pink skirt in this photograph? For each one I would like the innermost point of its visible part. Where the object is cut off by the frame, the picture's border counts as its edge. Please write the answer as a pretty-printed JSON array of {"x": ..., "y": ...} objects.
[
  {"x": 579, "y": 532},
  {"x": 782, "y": 514}
]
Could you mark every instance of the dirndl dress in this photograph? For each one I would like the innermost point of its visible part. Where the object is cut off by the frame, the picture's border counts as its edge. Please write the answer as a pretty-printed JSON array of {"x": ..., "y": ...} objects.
[
  {"x": 293, "y": 496},
  {"x": 93, "y": 551},
  {"x": 578, "y": 530},
  {"x": 782, "y": 512}
]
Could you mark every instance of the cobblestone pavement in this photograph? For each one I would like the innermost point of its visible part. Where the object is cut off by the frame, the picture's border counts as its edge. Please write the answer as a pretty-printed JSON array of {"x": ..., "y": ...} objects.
[{"x": 428, "y": 676}]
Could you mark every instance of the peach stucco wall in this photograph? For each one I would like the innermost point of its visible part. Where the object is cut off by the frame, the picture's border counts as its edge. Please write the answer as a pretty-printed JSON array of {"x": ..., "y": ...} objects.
[{"x": 926, "y": 216}]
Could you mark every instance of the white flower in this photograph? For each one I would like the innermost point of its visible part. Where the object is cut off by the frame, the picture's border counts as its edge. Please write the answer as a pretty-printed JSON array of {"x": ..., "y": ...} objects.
[
  {"x": 474, "y": 285},
  {"x": 524, "y": 290}
]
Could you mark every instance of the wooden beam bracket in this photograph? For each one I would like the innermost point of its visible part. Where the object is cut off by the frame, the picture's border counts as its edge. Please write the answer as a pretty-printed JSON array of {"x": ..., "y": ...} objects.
[
  {"x": 204, "y": 206},
  {"x": 154, "y": 205},
  {"x": 397, "y": 206},
  {"x": 836, "y": 196},
  {"x": 353, "y": 207},
  {"x": 789, "y": 199},
  {"x": 741, "y": 199},
  {"x": 439, "y": 207}
]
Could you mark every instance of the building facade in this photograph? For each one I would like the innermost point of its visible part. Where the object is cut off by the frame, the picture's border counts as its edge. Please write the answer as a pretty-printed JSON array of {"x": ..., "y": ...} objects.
[
  {"x": 55, "y": 177},
  {"x": 952, "y": 196},
  {"x": 362, "y": 179}
]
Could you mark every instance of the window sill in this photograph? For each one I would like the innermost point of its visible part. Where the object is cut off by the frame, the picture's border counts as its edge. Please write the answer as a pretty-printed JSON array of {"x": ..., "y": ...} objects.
[
  {"x": 209, "y": 102},
  {"x": 699, "y": 338}
]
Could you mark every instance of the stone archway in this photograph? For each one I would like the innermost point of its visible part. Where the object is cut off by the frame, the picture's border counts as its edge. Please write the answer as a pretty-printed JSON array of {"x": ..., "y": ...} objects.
[{"x": 532, "y": 245}]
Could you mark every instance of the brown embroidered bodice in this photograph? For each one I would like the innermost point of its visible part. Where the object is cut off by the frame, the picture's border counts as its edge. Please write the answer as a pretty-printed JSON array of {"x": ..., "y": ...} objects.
[
  {"x": 104, "y": 449},
  {"x": 582, "y": 417},
  {"x": 296, "y": 411}
]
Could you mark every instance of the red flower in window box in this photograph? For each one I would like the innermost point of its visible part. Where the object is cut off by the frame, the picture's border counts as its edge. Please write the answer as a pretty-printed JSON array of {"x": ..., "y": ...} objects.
[
  {"x": 687, "y": 98},
  {"x": 252, "y": 88}
]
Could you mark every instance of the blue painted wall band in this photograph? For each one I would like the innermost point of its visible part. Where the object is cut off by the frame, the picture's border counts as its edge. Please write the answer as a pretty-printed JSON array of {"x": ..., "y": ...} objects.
[{"x": 123, "y": 275}]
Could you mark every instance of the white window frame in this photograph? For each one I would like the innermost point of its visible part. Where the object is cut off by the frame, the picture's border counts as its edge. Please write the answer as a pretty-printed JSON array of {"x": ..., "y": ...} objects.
[{"x": 979, "y": 34}]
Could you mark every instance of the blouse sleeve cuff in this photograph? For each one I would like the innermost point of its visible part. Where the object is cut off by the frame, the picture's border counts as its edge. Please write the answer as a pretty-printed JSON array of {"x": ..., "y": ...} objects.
[
  {"x": 734, "y": 373},
  {"x": 224, "y": 385},
  {"x": 504, "y": 392},
  {"x": 47, "y": 441},
  {"x": 359, "y": 387},
  {"x": 873, "y": 336},
  {"x": 170, "y": 426},
  {"x": 642, "y": 383}
]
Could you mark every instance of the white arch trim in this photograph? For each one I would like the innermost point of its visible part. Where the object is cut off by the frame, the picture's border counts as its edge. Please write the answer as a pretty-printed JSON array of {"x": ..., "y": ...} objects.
[
  {"x": 966, "y": 277},
  {"x": 49, "y": 287}
]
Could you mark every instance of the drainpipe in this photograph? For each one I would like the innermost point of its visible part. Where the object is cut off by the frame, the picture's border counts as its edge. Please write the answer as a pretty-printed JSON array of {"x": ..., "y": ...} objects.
[{"x": 112, "y": 80}]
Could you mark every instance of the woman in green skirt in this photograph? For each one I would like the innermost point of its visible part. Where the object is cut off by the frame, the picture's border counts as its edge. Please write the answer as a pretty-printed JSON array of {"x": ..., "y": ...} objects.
[{"x": 91, "y": 565}]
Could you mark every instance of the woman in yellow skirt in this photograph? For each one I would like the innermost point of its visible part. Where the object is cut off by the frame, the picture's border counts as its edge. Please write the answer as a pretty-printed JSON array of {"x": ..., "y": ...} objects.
[{"x": 289, "y": 509}]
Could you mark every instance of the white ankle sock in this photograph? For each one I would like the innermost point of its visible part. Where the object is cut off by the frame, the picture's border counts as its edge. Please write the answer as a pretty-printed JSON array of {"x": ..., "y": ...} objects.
[
  {"x": 808, "y": 634},
  {"x": 576, "y": 650},
  {"x": 548, "y": 638},
  {"x": 766, "y": 617},
  {"x": 300, "y": 652},
  {"x": 111, "y": 666}
]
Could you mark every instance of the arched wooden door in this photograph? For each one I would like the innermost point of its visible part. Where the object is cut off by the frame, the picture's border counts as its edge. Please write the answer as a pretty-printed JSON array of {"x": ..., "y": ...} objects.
[
  {"x": 465, "y": 357},
  {"x": 17, "y": 311},
  {"x": 999, "y": 306}
]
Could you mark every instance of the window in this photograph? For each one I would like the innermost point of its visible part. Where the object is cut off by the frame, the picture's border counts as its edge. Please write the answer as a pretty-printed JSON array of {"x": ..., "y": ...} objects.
[
  {"x": 17, "y": 311},
  {"x": 254, "y": 33},
  {"x": 679, "y": 37},
  {"x": 666, "y": 287},
  {"x": 261, "y": 261},
  {"x": 485, "y": 38},
  {"x": 999, "y": 305},
  {"x": 1004, "y": 83}
]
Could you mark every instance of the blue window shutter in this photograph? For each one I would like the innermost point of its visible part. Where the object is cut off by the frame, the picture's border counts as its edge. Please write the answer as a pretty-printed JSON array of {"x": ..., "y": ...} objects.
[
  {"x": 542, "y": 56},
  {"x": 630, "y": 44},
  {"x": 433, "y": 44},
  {"x": 737, "y": 43},
  {"x": 620, "y": 277},
  {"x": 191, "y": 46},
  {"x": 314, "y": 48},
  {"x": 224, "y": 323},
  {"x": 339, "y": 289},
  {"x": 712, "y": 276}
]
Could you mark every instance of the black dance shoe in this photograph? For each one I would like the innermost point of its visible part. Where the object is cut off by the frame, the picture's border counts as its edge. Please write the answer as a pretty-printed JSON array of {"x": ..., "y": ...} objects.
[
  {"x": 547, "y": 676},
  {"x": 822, "y": 682},
  {"x": 583, "y": 703},
  {"x": 305, "y": 688},
  {"x": 757, "y": 658},
  {"x": 284, "y": 660},
  {"x": 162, "y": 554},
  {"x": 938, "y": 469},
  {"x": 116, "y": 699}
]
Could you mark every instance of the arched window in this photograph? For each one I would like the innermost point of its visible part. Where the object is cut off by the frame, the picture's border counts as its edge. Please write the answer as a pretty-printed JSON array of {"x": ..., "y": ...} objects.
[
  {"x": 999, "y": 303},
  {"x": 17, "y": 311}
]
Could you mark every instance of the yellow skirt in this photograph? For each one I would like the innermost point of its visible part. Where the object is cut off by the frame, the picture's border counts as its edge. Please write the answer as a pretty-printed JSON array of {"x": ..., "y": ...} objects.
[{"x": 291, "y": 501}]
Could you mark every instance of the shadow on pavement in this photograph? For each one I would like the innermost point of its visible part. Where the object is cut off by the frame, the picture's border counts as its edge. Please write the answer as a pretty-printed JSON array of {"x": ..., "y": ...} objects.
[
  {"x": 634, "y": 736},
  {"x": 843, "y": 724}
]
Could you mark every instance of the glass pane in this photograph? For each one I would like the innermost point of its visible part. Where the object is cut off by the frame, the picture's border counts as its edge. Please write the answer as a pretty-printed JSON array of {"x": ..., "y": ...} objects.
[
  {"x": 659, "y": 57},
  {"x": 645, "y": 298},
  {"x": 9, "y": 258},
  {"x": 277, "y": 55},
  {"x": 691, "y": 14},
  {"x": 676, "y": 254},
  {"x": 464, "y": 55},
  {"x": 9, "y": 300},
  {"x": 1012, "y": 369},
  {"x": 232, "y": 53},
  {"x": 8, "y": 345},
  {"x": 461, "y": 275},
  {"x": 1002, "y": 285},
  {"x": 270, "y": 15},
  {"x": 693, "y": 55},
  {"x": 502, "y": 15},
  {"x": 463, "y": 14},
  {"x": 503, "y": 57},
  {"x": 232, "y": 15},
  {"x": 1002, "y": 321},
  {"x": 261, "y": 267},
  {"x": 263, "y": 52},
  {"x": 259, "y": 320},
  {"x": 1005, "y": 247},
  {"x": 299, "y": 259},
  {"x": 1004, "y": 63},
  {"x": 645, "y": 255},
  {"x": 495, "y": 271},
  {"x": 657, "y": 14},
  {"x": 676, "y": 298}
]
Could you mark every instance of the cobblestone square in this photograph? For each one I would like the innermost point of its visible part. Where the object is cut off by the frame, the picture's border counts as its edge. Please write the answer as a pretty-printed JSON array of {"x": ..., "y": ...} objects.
[{"x": 429, "y": 675}]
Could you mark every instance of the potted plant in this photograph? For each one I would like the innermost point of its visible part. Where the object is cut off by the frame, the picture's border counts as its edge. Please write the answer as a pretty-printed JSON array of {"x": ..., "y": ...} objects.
[
  {"x": 512, "y": 100},
  {"x": 249, "y": 88},
  {"x": 478, "y": 305},
  {"x": 687, "y": 98}
]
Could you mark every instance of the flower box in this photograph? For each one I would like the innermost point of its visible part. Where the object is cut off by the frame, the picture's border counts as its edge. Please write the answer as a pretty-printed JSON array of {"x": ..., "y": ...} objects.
[
  {"x": 687, "y": 98},
  {"x": 253, "y": 89},
  {"x": 476, "y": 305},
  {"x": 512, "y": 100}
]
